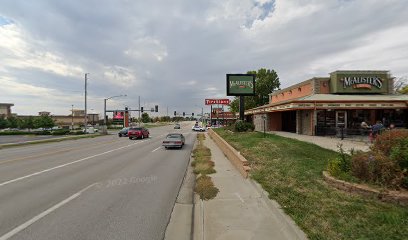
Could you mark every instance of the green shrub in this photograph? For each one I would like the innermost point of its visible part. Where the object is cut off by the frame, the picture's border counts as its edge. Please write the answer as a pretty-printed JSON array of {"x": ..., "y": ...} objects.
[
  {"x": 377, "y": 168},
  {"x": 241, "y": 126},
  {"x": 60, "y": 132},
  {"x": 399, "y": 152},
  {"x": 333, "y": 167},
  {"x": 76, "y": 133},
  {"x": 388, "y": 139},
  {"x": 44, "y": 132},
  {"x": 6, "y": 133}
]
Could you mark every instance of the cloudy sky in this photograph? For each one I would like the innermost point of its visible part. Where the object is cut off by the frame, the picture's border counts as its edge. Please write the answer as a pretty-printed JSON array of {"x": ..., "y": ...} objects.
[{"x": 176, "y": 53}]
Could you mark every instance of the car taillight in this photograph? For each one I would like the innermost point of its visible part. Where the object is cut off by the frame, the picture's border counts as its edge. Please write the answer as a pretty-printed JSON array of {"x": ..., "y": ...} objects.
[
  {"x": 178, "y": 142},
  {"x": 165, "y": 141}
]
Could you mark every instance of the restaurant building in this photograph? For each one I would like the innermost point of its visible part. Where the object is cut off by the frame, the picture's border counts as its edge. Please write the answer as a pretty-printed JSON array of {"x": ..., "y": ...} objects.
[{"x": 323, "y": 105}]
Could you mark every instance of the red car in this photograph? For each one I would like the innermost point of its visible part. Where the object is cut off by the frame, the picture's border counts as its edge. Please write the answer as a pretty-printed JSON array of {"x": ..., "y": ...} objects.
[{"x": 138, "y": 132}]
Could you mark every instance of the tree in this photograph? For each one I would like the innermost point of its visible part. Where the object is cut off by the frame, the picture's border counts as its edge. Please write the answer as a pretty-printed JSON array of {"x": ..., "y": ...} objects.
[
  {"x": 401, "y": 85},
  {"x": 266, "y": 82},
  {"x": 3, "y": 122},
  {"x": 145, "y": 117},
  {"x": 26, "y": 122},
  {"x": 165, "y": 119},
  {"x": 43, "y": 122},
  {"x": 13, "y": 122},
  {"x": 404, "y": 90}
]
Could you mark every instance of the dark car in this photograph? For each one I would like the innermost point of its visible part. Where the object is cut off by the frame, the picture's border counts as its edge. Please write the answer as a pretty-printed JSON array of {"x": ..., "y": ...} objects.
[
  {"x": 123, "y": 132},
  {"x": 174, "y": 140},
  {"x": 138, "y": 132}
]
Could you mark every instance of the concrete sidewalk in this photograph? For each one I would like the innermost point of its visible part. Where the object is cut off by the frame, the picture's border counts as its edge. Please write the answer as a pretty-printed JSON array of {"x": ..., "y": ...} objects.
[
  {"x": 241, "y": 209},
  {"x": 326, "y": 142}
]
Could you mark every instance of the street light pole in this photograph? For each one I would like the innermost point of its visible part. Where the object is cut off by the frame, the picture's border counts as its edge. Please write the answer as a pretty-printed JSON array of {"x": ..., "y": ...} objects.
[
  {"x": 105, "y": 127},
  {"x": 86, "y": 115}
]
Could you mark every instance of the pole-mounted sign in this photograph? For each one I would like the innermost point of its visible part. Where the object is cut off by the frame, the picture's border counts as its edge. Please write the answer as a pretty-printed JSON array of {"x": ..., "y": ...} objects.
[{"x": 241, "y": 85}]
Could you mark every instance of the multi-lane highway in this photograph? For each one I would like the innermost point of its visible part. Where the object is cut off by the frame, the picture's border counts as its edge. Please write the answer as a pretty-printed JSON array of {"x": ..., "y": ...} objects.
[{"x": 101, "y": 188}]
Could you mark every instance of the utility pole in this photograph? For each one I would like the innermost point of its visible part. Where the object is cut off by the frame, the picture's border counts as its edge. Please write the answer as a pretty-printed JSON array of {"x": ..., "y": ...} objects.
[
  {"x": 139, "y": 112},
  {"x": 202, "y": 116},
  {"x": 72, "y": 117},
  {"x": 86, "y": 115}
]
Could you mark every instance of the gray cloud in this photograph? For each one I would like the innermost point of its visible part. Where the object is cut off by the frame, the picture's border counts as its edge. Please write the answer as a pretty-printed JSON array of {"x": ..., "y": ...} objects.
[{"x": 176, "y": 53}]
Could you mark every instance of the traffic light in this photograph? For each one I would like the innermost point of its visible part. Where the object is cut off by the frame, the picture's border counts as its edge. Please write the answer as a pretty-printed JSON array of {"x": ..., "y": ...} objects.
[
  {"x": 175, "y": 113},
  {"x": 192, "y": 114},
  {"x": 184, "y": 114},
  {"x": 156, "y": 108},
  {"x": 141, "y": 109},
  {"x": 126, "y": 109}
]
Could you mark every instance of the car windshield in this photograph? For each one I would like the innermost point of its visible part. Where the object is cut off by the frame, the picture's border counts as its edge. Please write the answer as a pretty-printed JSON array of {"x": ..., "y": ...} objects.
[{"x": 138, "y": 129}]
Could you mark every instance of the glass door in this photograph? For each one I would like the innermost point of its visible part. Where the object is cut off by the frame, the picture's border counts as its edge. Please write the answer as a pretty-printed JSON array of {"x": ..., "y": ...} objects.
[{"x": 341, "y": 119}]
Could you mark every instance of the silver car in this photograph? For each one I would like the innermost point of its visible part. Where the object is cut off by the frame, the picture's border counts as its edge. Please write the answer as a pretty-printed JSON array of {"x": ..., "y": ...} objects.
[{"x": 174, "y": 140}]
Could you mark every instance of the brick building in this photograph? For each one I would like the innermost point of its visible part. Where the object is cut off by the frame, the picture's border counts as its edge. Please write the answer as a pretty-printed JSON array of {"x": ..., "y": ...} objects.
[{"x": 321, "y": 105}]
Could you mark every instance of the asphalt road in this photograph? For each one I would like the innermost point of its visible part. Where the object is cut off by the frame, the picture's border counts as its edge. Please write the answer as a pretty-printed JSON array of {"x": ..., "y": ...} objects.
[
  {"x": 97, "y": 188},
  {"x": 24, "y": 138}
]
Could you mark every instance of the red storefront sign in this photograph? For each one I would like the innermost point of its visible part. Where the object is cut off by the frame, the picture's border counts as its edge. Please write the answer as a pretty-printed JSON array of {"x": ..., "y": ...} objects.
[
  {"x": 225, "y": 101},
  {"x": 225, "y": 115}
]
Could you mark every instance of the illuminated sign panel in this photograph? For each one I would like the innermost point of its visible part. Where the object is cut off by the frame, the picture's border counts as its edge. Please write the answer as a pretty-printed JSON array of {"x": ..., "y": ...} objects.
[
  {"x": 118, "y": 115},
  {"x": 240, "y": 84}
]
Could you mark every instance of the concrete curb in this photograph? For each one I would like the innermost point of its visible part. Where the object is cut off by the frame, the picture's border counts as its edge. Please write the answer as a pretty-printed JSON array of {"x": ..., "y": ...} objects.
[
  {"x": 274, "y": 206},
  {"x": 181, "y": 223}
]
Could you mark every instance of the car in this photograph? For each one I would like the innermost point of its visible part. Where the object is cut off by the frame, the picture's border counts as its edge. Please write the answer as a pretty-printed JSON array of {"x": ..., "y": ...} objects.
[
  {"x": 177, "y": 126},
  {"x": 123, "y": 132},
  {"x": 198, "y": 128},
  {"x": 138, "y": 132},
  {"x": 174, "y": 140},
  {"x": 90, "y": 130}
]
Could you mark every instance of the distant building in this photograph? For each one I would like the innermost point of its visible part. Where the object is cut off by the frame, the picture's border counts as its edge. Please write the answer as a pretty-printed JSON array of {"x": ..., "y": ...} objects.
[
  {"x": 75, "y": 120},
  {"x": 44, "y": 113},
  {"x": 5, "y": 109}
]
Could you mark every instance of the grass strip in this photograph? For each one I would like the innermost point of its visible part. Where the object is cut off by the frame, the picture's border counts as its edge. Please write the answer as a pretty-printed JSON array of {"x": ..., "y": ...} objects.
[
  {"x": 203, "y": 166},
  {"x": 291, "y": 172},
  {"x": 49, "y": 140}
]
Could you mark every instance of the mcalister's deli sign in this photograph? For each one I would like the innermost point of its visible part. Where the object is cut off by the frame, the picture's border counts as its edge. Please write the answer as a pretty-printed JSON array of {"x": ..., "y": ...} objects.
[
  {"x": 359, "y": 82},
  {"x": 240, "y": 84}
]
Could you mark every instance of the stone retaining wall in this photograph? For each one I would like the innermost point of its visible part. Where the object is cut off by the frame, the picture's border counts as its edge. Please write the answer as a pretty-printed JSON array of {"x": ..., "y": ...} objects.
[
  {"x": 399, "y": 197},
  {"x": 239, "y": 162}
]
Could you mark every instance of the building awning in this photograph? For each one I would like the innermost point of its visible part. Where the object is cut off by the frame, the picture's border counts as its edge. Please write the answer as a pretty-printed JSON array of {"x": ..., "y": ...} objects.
[{"x": 333, "y": 101}]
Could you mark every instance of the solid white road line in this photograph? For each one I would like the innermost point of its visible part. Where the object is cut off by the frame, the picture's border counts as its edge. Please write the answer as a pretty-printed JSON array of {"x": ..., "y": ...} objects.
[
  {"x": 66, "y": 164},
  {"x": 43, "y": 214},
  {"x": 156, "y": 149}
]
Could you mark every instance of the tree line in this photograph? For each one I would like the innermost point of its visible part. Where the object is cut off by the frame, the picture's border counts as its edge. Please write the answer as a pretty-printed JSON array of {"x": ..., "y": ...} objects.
[{"x": 30, "y": 122}]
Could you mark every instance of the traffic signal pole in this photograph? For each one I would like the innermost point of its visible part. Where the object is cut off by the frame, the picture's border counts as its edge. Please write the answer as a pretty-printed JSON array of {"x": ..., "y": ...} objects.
[{"x": 139, "y": 113}]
